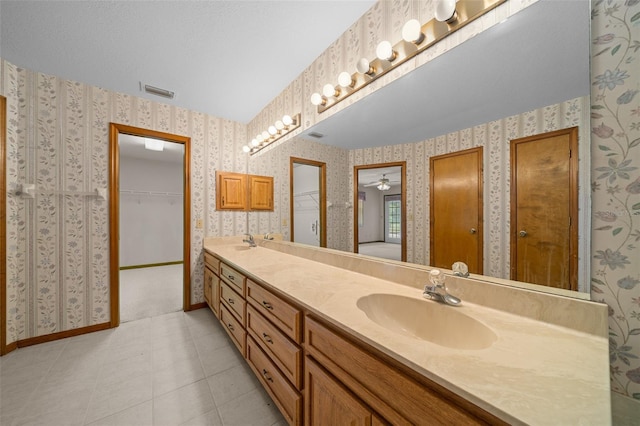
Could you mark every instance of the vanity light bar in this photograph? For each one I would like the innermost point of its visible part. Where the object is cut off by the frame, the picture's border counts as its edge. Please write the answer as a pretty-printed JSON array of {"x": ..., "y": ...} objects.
[
  {"x": 464, "y": 12},
  {"x": 274, "y": 132}
]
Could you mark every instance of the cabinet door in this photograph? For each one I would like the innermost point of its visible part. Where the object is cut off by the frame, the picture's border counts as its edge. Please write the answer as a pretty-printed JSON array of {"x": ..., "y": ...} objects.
[
  {"x": 231, "y": 191},
  {"x": 208, "y": 278},
  {"x": 261, "y": 192},
  {"x": 327, "y": 402}
]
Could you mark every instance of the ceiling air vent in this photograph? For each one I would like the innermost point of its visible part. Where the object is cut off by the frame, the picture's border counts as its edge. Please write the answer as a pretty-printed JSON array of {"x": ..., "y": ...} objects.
[{"x": 152, "y": 90}]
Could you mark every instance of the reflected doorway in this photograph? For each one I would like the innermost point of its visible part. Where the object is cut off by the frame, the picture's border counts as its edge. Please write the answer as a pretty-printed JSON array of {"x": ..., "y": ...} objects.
[
  {"x": 379, "y": 216},
  {"x": 308, "y": 202}
]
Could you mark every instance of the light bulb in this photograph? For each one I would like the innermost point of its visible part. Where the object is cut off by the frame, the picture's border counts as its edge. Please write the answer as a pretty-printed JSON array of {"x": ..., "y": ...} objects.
[
  {"x": 317, "y": 99},
  {"x": 330, "y": 91},
  {"x": 246, "y": 148},
  {"x": 287, "y": 120},
  {"x": 385, "y": 51},
  {"x": 273, "y": 130},
  {"x": 265, "y": 135},
  {"x": 255, "y": 142},
  {"x": 364, "y": 67},
  {"x": 446, "y": 11},
  {"x": 279, "y": 125},
  {"x": 412, "y": 32},
  {"x": 259, "y": 138},
  {"x": 345, "y": 79}
]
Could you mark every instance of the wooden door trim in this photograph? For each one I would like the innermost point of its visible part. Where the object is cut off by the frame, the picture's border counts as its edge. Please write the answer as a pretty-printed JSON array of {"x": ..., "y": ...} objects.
[
  {"x": 3, "y": 229},
  {"x": 323, "y": 195},
  {"x": 403, "y": 192},
  {"x": 479, "y": 150},
  {"x": 114, "y": 208},
  {"x": 572, "y": 132}
]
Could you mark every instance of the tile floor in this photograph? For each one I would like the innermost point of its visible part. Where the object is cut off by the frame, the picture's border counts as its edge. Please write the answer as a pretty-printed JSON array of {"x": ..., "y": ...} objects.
[
  {"x": 149, "y": 292},
  {"x": 174, "y": 369}
]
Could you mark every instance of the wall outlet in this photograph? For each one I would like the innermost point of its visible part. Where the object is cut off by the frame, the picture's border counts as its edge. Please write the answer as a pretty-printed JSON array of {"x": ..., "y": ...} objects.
[{"x": 198, "y": 223}]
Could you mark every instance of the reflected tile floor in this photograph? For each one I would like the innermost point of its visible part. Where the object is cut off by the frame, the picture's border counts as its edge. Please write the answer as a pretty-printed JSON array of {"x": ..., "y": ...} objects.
[{"x": 174, "y": 369}]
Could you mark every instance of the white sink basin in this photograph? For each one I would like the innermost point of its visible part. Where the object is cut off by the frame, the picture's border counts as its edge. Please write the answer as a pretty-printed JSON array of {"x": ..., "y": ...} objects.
[{"x": 427, "y": 320}]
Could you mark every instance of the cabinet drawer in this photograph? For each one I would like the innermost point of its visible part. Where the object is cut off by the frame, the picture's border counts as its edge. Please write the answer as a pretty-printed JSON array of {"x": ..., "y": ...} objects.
[
  {"x": 234, "y": 329},
  {"x": 399, "y": 398},
  {"x": 286, "y": 317},
  {"x": 286, "y": 397},
  {"x": 212, "y": 262},
  {"x": 236, "y": 304},
  {"x": 234, "y": 278},
  {"x": 282, "y": 351}
]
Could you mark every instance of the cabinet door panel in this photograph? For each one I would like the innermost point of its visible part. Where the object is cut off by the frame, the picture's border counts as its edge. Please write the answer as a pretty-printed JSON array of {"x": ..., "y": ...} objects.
[
  {"x": 231, "y": 191},
  {"x": 261, "y": 192},
  {"x": 330, "y": 403}
]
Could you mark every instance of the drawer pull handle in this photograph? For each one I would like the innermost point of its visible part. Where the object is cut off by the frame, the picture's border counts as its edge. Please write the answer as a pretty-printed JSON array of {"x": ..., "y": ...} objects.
[
  {"x": 230, "y": 301},
  {"x": 231, "y": 277},
  {"x": 267, "y": 338},
  {"x": 230, "y": 326},
  {"x": 267, "y": 305},
  {"x": 266, "y": 375}
]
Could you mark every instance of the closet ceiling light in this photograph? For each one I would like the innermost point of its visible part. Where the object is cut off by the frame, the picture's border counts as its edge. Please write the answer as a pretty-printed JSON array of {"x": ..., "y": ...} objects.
[{"x": 153, "y": 144}]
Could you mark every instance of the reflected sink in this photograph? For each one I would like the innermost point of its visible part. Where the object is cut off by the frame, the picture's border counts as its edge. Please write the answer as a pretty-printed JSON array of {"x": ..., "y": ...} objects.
[{"x": 427, "y": 320}]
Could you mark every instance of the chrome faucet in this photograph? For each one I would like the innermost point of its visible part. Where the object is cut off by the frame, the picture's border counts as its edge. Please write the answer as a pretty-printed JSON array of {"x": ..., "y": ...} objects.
[
  {"x": 249, "y": 240},
  {"x": 438, "y": 290},
  {"x": 267, "y": 236}
]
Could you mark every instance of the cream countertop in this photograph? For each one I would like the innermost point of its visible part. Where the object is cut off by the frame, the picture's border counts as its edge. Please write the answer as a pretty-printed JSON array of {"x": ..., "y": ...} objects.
[{"x": 534, "y": 373}]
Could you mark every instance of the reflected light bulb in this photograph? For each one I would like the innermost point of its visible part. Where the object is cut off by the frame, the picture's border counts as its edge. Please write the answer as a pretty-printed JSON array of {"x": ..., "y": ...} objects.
[
  {"x": 364, "y": 67},
  {"x": 345, "y": 79},
  {"x": 255, "y": 142},
  {"x": 330, "y": 91},
  {"x": 287, "y": 120},
  {"x": 279, "y": 125},
  {"x": 259, "y": 138},
  {"x": 265, "y": 135},
  {"x": 246, "y": 148},
  {"x": 385, "y": 51},
  {"x": 412, "y": 32},
  {"x": 273, "y": 130},
  {"x": 317, "y": 99}
]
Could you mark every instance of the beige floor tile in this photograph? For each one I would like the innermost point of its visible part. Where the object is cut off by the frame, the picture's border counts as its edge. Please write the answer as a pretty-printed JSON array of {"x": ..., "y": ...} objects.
[
  {"x": 168, "y": 354},
  {"x": 139, "y": 415},
  {"x": 220, "y": 359},
  {"x": 232, "y": 383},
  {"x": 177, "y": 375},
  {"x": 212, "y": 418},
  {"x": 108, "y": 400},
  {"x": 182, "y": 405},
  {"x": 253, "y": 408}
]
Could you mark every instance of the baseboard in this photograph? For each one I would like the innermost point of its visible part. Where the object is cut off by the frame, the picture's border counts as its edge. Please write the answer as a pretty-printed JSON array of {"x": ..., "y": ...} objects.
[
  {"x": 151, "y": 265},
  {"x": 198, "y": 306},
  {"x": 62, "y": 335},
  {"x": 5, "y": 349}
]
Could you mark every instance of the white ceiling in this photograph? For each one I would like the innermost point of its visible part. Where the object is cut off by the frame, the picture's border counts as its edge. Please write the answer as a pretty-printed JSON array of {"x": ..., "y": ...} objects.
[{"x": 224, "y": 58}]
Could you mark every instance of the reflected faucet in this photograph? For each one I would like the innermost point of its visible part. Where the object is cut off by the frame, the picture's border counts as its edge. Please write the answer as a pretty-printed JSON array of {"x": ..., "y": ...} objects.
[
  {"x": 249, "y": 240},
  {"x": 438, "y": 290},
  {"x": 460, "y": 269},
  {"x": 268, "y": 236}
]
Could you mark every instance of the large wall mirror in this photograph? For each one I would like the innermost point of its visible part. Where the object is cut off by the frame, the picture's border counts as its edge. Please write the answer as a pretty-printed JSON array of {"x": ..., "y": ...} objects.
[{"x": 513, "y": 80}]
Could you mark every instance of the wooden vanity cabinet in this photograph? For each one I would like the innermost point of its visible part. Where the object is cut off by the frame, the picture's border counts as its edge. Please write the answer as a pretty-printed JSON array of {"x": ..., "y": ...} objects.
[
  {"x": 328, "y": 402},
  {"x": 233, "y": 305},
  {"x": 398, "y": 395},
  {"x": 212, "y": 283}
]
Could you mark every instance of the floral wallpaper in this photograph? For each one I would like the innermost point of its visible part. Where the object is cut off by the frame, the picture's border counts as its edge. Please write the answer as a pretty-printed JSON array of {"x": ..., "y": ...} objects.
[
  {"x": 615, "y": 127},
  {"x": 58, "y": 245}
]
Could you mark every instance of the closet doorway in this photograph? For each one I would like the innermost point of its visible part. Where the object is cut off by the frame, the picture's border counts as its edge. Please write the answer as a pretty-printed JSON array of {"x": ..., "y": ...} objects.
[{"x": 149, "y": 223}]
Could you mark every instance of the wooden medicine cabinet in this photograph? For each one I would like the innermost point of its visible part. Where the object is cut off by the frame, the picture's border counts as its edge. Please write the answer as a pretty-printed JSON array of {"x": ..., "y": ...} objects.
[{"x": 242, "y": 192}]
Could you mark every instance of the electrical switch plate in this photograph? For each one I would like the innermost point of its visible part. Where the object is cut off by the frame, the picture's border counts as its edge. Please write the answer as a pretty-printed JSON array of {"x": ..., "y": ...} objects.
[
  {"x": 284, "y": 222},
  {"x": 198, "y": 223}
]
